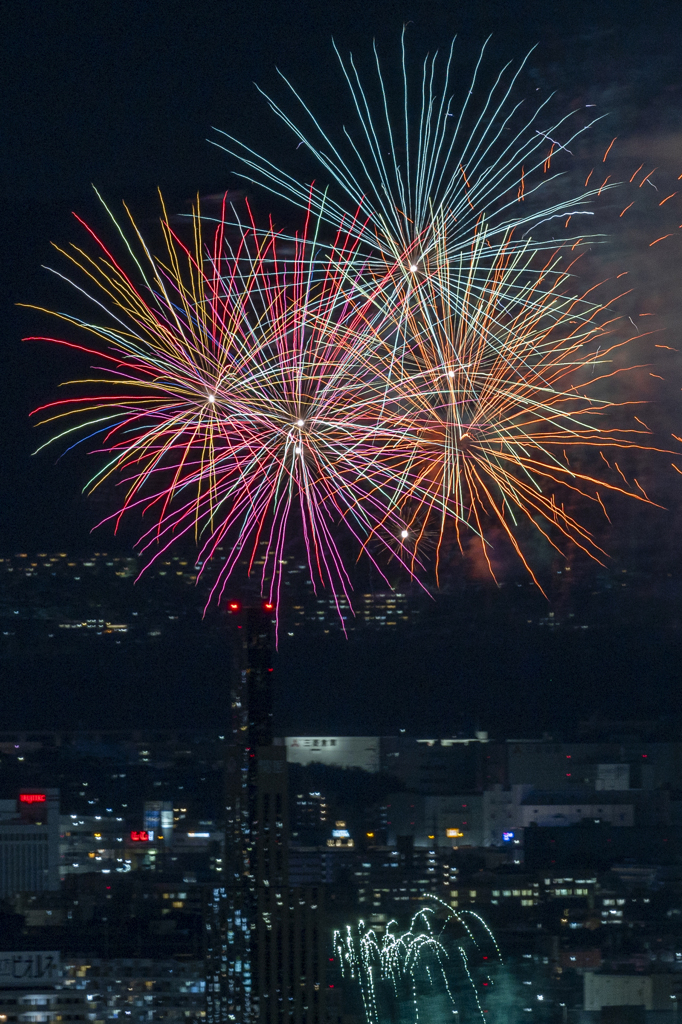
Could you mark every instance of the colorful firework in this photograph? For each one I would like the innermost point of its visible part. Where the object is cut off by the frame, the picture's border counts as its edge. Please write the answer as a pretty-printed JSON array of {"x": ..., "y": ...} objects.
[
  {"x": 427, "y": 365},
  {"x": 235, "y": 397},
  {"x": 494, "y": 368},
  {"x": 253, "y": 392}
]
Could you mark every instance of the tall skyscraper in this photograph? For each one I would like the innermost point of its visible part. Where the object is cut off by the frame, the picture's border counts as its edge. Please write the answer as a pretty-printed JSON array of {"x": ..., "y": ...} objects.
[
  {"x": 233, "y": 917},
  {"x": 265, "y": 940}
]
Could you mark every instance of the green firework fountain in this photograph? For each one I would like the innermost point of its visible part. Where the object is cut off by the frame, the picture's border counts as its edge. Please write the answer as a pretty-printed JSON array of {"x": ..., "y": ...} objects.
[{"x": 444, "y": 967}]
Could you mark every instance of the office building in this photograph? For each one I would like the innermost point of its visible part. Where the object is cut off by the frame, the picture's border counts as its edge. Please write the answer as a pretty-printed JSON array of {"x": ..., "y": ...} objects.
[
  {"x": 137, "y": 989},
  {"x": 442, "y": 822},
  {"x": 29, "y": 842},
  {"x": 159, "y": 819},
  {"x": 652, "y": 991},
  {"x": 265, "y": 939},
  {"x": 335, "y": 751},
  {"x": 31, "y": 990},
  {"x": 254, "y": 823},
  {"x": 432, "y": 766}
]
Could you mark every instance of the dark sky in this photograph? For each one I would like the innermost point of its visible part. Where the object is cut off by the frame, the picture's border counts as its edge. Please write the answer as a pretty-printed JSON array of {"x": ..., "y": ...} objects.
[{"x": 124, "y": 95}]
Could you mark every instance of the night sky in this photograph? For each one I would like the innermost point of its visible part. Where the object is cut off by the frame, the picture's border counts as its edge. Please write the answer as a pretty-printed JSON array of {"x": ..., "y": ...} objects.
[{"x": 125, "y": 96}]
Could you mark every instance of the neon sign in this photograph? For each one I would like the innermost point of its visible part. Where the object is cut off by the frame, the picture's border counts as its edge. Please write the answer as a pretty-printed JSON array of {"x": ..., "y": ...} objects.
[
  {"x": 142, "y": 836},
  {"x": 32, "y": 798}
]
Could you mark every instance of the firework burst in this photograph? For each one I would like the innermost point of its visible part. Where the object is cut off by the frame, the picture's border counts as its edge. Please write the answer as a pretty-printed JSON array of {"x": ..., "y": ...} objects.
[
  {"x": 255, "y": 390},
  {"x": 500, "y": 401},
  {"x": 237, "y": 397},
  {"x": 424, "y": 169},
  {"x": 416, "y": 358}
]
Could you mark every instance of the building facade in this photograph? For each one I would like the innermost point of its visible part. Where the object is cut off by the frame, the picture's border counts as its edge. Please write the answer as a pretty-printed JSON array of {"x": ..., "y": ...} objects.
[
  {"x": 29, "y": 842},
  {"x": 31, "y": 990},
  {"x": 136, "y": 990},
  {"x": 264, "y": 938}
]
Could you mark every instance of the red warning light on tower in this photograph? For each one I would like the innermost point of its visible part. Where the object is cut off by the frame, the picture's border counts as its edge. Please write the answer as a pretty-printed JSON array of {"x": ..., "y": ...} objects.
[{"x": 234, "y": 606}]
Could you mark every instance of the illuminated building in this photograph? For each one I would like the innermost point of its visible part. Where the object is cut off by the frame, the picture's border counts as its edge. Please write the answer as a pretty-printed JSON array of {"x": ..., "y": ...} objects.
[
  {"x": 310, "y": 813},
  {"x": 139, "y": 989},
  {"x": 92, "y": 843},
  {"x": 443, "y": 822},
  {"x": 158, "y": 818},
  {"x": 389, "y": 879},
  {"x": 251, "y": 801},
  {"x": 265, "y": 939},
  {"x": 29, "y": 842},
  {"x": 382, "y": 610},
  {"x": 101, "y": 843},
  {"x": 337, "y": 751},
  {"x": 341, "y": 837},
  {"x": 30, "y": 990}
]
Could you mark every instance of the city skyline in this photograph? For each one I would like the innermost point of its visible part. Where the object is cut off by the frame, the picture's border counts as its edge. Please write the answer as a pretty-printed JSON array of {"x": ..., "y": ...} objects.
[
  {"x": 346, "y": 738},
  {"x": 564, "y": 853},
  {"x": 501, "y": 659}
]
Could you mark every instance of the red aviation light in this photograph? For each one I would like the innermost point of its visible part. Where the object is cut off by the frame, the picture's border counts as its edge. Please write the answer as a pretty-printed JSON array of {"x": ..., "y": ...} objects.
[
  {"x": 234, "y": 606},
  {"x": 32, "y": 798},
  {"x": 268, "y": 606}
]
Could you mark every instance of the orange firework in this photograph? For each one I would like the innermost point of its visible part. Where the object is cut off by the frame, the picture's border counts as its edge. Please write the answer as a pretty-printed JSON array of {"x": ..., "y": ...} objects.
[{"x": 497, "y": 400}]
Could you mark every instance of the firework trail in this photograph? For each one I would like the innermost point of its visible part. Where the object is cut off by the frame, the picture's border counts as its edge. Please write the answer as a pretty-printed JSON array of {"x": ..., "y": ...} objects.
[{"x": 440, "y": 966}]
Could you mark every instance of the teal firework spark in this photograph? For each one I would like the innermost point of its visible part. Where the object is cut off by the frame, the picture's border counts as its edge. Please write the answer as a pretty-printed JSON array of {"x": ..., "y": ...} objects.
[
  {"x": 421, "y": 167},
  {"x": 441, "y": 965}
]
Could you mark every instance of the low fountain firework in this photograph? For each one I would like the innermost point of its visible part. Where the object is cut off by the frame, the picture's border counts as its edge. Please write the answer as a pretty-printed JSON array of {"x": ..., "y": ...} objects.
[{"x": 445, "y": 966}]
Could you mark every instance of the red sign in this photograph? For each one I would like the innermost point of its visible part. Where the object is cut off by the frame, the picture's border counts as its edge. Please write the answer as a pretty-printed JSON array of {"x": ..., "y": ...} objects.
[
  {"x": 32, "y": 798},
  {"x": 139, "y": 837}
]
